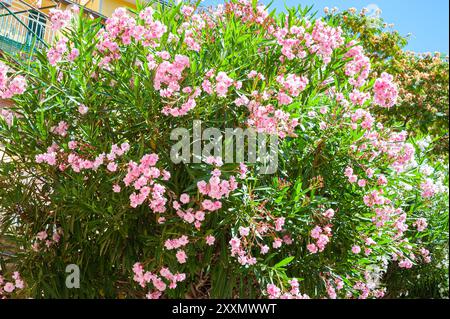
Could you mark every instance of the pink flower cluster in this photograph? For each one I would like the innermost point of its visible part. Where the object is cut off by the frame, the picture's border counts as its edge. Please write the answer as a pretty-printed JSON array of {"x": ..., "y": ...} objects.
[
  {"x": 325, "y": 40},
  {"x": 421, "y": 224},
  {"x": 274, "y": 292},
  {"x": 216, "y": 188},
  {"x": 425, "y": 255},
  {"x": 367, "y": 119},
  {"x": 322, "y": 238},
  {"x": 358, "y": 68},
  {"x": 219, "y": 84},
  {"x": 196, "y": 217},
  {"x": 168, "y": 78},
  {"x": 241, "y": 248},
  {"x": 8, "y": 287},
  {"x": 60, "y": 129},
  {"x": 321, "y": 40},
  {"x": 143, "y": 176},
  {"x": 176, "y": 244},
  {"x": 332, "y": 286},
  {"x": 268, "y": 119},
  {"x": 170, "y": 74},
  {"x": 10, "y": 86},
  {"x": 263, "y": 226},
  {"x": 242, "y": 256},
  {"x": 57, "y": 156},
  {"x": 401, "y": 154},
  {"x": 292, "y": 85},
  {"x": 405, "y": 263},
  {"x": 121, "y": 28},
  {"x": 352, "y": 178},
  {"x": 193, "y": 26},
  {"x": 385, "y": 91},
  {"x": 428, "y": 188},
  {"x": 292, "y": 41},
  {"x": 188, "y": 105},
  {"x": 386, "y": 213},
  {"x": 365, "y": 291},
  {"x": 56, "y": 52},
  {"x": 43, "y": 241},
  {"x": 59, "y": 18},
  {"x": 223, "y": 83},
  {"x": 165, "y": 279},
  {"x": 358, "y": 97},
  {"x": 375, "y": 197},
  {"x": 245, "y": 10}
]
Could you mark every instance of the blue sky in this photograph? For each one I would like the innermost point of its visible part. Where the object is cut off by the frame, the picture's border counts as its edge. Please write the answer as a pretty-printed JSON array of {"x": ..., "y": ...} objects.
[{"x": 426, "y": 20}]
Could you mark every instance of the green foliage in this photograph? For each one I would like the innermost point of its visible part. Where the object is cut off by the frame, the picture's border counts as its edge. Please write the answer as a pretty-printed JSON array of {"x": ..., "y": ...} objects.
[{"x": 105, "y": 237}]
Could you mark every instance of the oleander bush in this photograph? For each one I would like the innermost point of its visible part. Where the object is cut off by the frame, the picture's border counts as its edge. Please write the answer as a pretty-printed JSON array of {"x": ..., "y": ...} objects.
[
  {"x": 87, "y": 177},
  {"x": 423, "y": 78},
  {"x": 422, "y": 109}
]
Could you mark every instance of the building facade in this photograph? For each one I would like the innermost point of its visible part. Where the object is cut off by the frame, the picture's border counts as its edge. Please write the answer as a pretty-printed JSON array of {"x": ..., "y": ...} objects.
[{"x": 25, "y": 23}]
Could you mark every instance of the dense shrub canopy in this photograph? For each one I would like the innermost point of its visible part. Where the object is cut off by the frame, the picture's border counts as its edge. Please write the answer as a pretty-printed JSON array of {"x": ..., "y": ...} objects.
[
  {"x": 423, "y": 104},
  {"x": 87, "y": 178}
]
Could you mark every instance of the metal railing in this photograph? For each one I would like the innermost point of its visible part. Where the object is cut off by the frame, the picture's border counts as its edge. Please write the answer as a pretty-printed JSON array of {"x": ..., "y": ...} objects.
[{"x": 23, "y": 27}]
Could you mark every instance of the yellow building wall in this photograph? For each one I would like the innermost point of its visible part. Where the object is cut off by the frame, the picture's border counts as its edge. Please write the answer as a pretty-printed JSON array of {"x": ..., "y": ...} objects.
[{"x": 107, "y": 7}]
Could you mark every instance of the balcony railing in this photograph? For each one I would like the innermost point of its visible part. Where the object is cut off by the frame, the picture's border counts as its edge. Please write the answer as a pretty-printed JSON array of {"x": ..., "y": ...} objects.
[{"x": 23, "y": 27}]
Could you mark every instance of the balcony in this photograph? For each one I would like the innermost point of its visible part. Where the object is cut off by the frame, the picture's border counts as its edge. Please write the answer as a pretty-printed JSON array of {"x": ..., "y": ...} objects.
[{"x": 23, "y": 26}]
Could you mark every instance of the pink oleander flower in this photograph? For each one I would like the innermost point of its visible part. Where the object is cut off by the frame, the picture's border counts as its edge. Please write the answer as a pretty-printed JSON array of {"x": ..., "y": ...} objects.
[
  {"x": 358, "y": 97},
  {"x": 116, "y": 188},
  {"x": 405, "y": 263},
  {"x": 315, "y": 232},
  {"x": 348, "y": 171},
  {"x": 273, "y": 291},
  {"x": 235, "y": 242},
  {"x": 312, "y": 248},
  {"x": 42, "y": 235},
  {"x": 59, "y": 18},
  {"x": 181, "y": 256},
  {"x": 370, "y": 172},
  {"x": 324, "y": 110},
  {"x": 277, "y": 243},
  {"x": 210, "y": 240},
  {"x": 243, "y": 169},
  {"x": 73, "y": 54},
  {"x": 279, "y": 223},
  {"x": 176, "y": 243},
  {"x": 10, "y": 86},
  {"x": 362, "y": 183},
  {"x": 353, "y": 179},
  {"x": 112, "y": 167},
  {"x": 184, "y": 198},
  {"x": 72, "y": 145},
  {"x": 356, "y": 249},
  {"x": 329, "y": 213},
  {"x": 428, "y": 188},
  {"x": 421, "y": 224},
  {"x": 83, "y": 109},
  {"x": 9, "y": 287},
  {"x": 61, "y": 129},
  {"x": 244, "y": 231},
  {"x": 385, "y": 91},
  {"x": 382, "y": 180}
]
